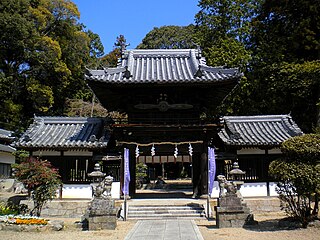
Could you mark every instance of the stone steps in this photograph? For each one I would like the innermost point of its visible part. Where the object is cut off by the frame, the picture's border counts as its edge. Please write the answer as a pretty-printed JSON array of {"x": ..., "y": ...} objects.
[{"x": 165, "y": 211}]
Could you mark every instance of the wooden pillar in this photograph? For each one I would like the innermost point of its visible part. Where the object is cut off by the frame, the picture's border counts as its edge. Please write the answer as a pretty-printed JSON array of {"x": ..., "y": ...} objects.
[
  {"x": 121, "y": 173},
  {"x": 196, "y": 177},
  {"x": 266, "y": 169},
  {"x": 132, "y": 168},
  {"x": 204, "y": 173}
]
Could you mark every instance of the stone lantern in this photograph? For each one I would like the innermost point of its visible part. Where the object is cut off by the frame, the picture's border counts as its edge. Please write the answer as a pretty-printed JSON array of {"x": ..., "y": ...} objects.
[
  {"x": 96, "y": 175},
  {"x": 236, "y": 174},
  {"x": 101, "y": 212}
]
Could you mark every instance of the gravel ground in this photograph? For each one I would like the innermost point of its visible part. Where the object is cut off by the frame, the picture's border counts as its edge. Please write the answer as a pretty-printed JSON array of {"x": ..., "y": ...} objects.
[{"x": 265, "y": 230}]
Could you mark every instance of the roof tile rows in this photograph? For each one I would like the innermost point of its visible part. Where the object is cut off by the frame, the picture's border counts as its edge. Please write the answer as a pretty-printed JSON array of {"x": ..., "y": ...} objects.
[
  {"x": 162, "y": 66},
  {"x": 64, "y": 132},
  {"x": 6, "y": 135},
  {"x": 269, "y": 130}
]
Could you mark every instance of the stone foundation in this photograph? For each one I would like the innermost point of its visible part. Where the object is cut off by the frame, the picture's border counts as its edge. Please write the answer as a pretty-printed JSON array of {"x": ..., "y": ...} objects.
[
  {"x": 77, "y": 208},
  {"x": 232, "y": 212},
  {"x": 62, "y": 208},
  {"x": 101, "y": 214},
  {"x": 102, "y": 222}
]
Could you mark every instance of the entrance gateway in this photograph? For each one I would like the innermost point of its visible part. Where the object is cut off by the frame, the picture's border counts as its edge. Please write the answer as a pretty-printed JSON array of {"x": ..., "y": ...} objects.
[{"x": 169, "y": 99}]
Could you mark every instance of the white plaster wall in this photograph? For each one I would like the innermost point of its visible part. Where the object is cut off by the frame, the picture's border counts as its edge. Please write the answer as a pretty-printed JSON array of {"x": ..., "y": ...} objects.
[
  {"x": 247, "y": 190},
  {"x": 7, "y": 158},
  {"x": 84, "y": 191},
  {"x": 250, "y": 190}
]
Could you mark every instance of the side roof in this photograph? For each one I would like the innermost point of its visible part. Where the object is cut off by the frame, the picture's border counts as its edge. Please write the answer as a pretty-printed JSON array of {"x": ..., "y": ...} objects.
[
  {"x": 64, "y": 133},
  {"x": 255, "y": 131},
  {"x": 162, "y": 66},
  {"x": 6, "y": 135}
]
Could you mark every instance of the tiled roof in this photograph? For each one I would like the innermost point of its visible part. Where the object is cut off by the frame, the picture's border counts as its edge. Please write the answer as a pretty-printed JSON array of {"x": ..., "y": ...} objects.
[
  {"x": 64, "y": 133},
  {"x": 6, "y": 135},
  {"x": 266, "y": 130},
  {"x": 162, "y": 66}
]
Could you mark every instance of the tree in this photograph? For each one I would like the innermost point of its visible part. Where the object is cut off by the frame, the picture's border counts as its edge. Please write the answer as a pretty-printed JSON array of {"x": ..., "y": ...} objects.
[
  {"x": 43, "y": 51},
  {"x": 112, "y": 58},
  {"x": 169, "y": 37},
  {"x": 80, "y": 108},
  {"x": 141, "y": 174},
  {"x": 298, "y": 176},
  {"x": 223, "y": 30},
  {"x": 284, "y": 67},
  {"x": 286, "y": 31},
  {"x": 41, "y": 180}
]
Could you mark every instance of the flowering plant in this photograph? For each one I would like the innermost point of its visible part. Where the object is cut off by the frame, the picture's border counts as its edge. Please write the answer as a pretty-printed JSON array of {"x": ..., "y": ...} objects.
[
  {"x": 41, "y": 180},
  {"x": 28, "y": 220}
]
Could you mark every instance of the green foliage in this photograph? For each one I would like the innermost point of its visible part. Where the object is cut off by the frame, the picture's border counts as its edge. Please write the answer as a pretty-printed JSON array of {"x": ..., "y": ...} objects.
[
  {"x": 141, "y": 170},
  {"x": 223, "y": 30},
  {"x": 285, "y": 60},
  {"x": 287, "y": 31},
  {"x": 220, "y": 18},
  {"x": 80, "y": 108},
  {"x": 305, "y": 149},
  {"x": 112, "y": 58},
  {"x": 10, "y": 208},
  {"x": 169, "y": 37},
  {"x": 21, "y": 155},
  {"x": 298, "y": 176},
  {"x": 41, "y": 180},
  {"x": 43, "y": 52},
  {"x": 227, "y": 52},
  {"x": 276, "y": 45},
  {"x": 6, "y": 209},
  {"x": 289, "y": 87},
  {"x": 141, "y": 174}
]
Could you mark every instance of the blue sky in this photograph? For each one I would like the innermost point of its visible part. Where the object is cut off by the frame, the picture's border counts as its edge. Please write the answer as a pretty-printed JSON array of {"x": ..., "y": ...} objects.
[{"x": 133, "y": 18}]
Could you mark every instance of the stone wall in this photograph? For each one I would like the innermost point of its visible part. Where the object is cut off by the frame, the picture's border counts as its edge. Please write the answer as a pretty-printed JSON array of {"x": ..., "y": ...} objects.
[
  {"x": 62, "y": 208},
  {"x": 76, "y": 208},
  {"x": 258, "y": 205}
]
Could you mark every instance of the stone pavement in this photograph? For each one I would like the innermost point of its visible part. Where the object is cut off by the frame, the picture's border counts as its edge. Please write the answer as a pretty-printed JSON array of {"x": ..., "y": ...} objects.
[{"x": 173, "y": 229}]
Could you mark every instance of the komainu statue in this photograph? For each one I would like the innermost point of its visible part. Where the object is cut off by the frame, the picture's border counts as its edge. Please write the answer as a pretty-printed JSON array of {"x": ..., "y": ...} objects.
[{"x": 225, "y": 185}]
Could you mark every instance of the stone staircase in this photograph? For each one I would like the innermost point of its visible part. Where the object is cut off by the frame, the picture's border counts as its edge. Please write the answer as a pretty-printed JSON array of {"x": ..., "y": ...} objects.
[{"x": 183, "y": 211}]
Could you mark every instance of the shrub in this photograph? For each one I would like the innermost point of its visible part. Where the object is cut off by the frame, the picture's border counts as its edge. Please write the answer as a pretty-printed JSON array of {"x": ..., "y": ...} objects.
[
  {"x": 298, "y": 176},
  {"x": 6, "y": 209},
  {"x": 141, "y": 174},
  {"x": 41, "y": 180},
  {"x": 10, "y": 208}
]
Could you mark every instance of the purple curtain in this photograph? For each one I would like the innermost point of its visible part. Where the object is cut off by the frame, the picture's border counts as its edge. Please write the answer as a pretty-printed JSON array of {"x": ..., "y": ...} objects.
[
  {"x": 212, "y": 169},
  {"x": 126, "y": 182}
]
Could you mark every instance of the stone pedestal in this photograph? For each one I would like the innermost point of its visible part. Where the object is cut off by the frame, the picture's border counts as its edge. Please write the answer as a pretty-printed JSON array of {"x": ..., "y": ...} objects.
[
  {"x": 101, "y": 214},
  {"x": 232, "y": 212}
]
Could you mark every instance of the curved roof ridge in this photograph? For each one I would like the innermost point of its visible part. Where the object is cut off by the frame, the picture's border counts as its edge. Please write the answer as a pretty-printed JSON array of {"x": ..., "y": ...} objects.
[
  {"x": 6, "y": 134},
  {"x": 256, "y": 117},
  {"x": 291, "y": 125},
  {"x": 147, "y": 66},
  {"x": 64, "y": 119},
  {"x": 159, "y": 51},
  {"x": 259, "y": 130},
  {"x": 64, "y": 132}
]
